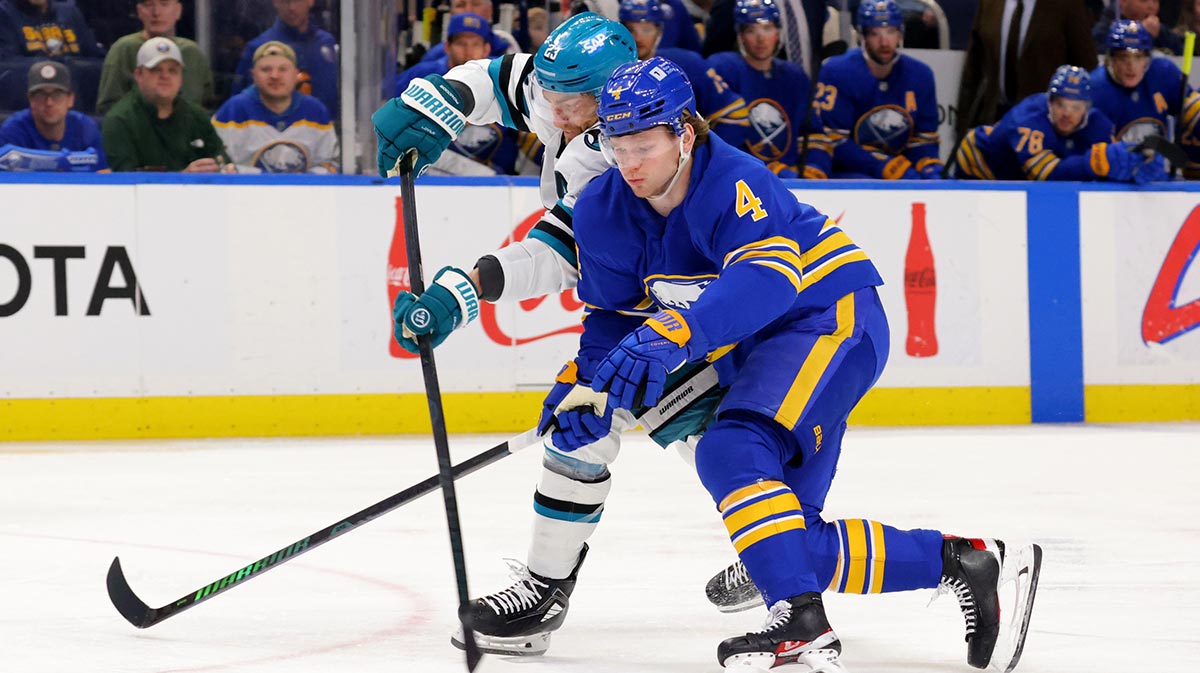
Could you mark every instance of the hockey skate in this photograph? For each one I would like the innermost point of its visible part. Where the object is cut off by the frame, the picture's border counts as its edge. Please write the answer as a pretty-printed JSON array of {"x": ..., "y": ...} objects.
[
  {"x": 732, "y": 590},
  {"x": 995, "y": 587},
  {"x": 796, "y": 632},
  {"x": 518, "y": 620}
]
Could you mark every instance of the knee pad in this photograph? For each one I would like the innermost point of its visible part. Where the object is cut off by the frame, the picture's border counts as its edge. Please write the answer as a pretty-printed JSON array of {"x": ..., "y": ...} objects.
[
  {"x": 566, "y": 465},
  {"x": 740, "y": 449}
]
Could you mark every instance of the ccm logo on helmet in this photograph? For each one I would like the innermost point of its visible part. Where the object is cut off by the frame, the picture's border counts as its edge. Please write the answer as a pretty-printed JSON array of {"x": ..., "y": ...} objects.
[{"x": 616, "y": 116}]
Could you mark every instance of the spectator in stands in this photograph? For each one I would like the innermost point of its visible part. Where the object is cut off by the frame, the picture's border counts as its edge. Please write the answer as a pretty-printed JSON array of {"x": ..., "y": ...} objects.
[
  {"x": 1189, "y": 18},
  {"x": 776, "y": 93},
  {"x": 272, "y": 128},
  {"x": 1054, "y": 135},
  {"x": 153, "y": 128},
  {"x": 1145, "y": 12},
  {"x": 879, "y": 106},
  {"x": 539, "y": 27},
  {"x": 723, "y": 107},
  {"x": 478, "y": 150},
  {"x": 316, "y": 52},
  {"x": 50, "y": 125},
  {"x": 1139, "y": 93},
  {"x": 158, "y": 20},
  {"x": 45, "y": 29},
  {"x": 501, "y": 42},
  {"x": 1014, "y": 48}
]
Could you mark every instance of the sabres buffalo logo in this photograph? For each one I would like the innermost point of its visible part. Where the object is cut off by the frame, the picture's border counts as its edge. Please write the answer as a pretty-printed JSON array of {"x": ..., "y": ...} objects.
[
  {"x": 677, "y": 292},
  {"x": 886, "y": 128},
  {"x": 772, "y": 130},
  {"x": 1139, "y": 129}
]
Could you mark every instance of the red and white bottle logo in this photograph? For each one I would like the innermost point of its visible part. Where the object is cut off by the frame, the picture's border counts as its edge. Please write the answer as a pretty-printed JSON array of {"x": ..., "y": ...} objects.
[{"x": 920, "y": 289}]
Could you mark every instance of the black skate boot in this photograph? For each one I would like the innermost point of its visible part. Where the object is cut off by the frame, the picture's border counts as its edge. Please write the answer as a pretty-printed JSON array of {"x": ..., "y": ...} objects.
[
  {"x": 979, "y": 572},
  {"x": 732, "y": 590},
  {"x": 518, "y": 620},
  {"x": 796, "y": 632}
]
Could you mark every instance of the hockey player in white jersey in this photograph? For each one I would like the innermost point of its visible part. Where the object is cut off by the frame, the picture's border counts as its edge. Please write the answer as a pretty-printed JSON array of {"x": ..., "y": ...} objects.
[{"x": 554, "y": 94}]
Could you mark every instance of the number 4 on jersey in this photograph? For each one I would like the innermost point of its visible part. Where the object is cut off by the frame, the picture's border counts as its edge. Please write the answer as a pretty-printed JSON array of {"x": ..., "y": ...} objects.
[{"x": 747, "y": 202}]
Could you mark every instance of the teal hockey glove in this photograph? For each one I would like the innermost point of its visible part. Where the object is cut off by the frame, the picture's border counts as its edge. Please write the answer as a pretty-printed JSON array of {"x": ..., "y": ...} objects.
[
  {"x": 450, "y": 302},
  {"x": 427, "y": 117}
]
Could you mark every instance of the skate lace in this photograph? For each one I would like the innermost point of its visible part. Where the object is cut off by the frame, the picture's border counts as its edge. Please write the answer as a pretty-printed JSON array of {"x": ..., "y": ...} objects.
[
  {"x": 779, "y": 615},
  {"x": 966, "y": 599},
  {"x": 736, "y": 575},
  {"x": 521, "y": 595}
]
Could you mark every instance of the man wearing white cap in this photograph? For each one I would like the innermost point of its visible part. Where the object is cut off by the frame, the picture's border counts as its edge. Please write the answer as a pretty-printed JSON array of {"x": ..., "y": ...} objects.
[{"x": 152, "y": 128}]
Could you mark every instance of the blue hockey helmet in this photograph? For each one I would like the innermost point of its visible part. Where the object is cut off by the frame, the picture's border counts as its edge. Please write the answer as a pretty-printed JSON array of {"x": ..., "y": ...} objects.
[
  {"x": 1071, "y": 82},
  {"x": 580, "y": 54},
  {"x": 650, "y": 11},
  {"x": 879, "y": 14},
  {"x": 1129, "y": 35},
  {"x": 645, "y": 94},
  {"x": 746, "y": 12}
]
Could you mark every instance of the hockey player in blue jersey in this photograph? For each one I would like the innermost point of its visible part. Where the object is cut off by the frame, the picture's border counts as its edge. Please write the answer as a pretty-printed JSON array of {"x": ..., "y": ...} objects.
[
  {"x": 1140, "y": 93},
  {"x": 879, "y": 106},
  {"x": 692, "y": 250},
  {"x": 776, "y": 94},
  {"x": 721, "y": 105},
  {"x": 1054, "y": 136}
]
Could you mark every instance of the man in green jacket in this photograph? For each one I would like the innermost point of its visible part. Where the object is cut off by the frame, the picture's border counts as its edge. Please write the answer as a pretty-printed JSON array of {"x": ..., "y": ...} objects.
[
  {"x": 153, "y": 128},
  {"x": 158, "y": 20}
]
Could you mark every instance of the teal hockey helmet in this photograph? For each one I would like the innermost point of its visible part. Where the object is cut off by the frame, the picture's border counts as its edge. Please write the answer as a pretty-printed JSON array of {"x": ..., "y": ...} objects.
[{"x": 580, "y": 54}]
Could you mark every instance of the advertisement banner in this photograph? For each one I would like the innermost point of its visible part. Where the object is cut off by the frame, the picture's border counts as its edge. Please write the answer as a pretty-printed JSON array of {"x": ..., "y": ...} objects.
[{"x": 1141, "y": 288}]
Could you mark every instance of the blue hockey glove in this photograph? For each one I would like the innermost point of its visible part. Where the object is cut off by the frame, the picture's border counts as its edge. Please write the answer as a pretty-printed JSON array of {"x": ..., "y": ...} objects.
[
  {"x": 574, "y": 427},
  {"x": 1114, "y": 161},
  {"x": 1153, "y": 169},
  {"x": 427, "y": 117},
  {"x": 450, "y": 302},
  {"x": 931, "y": 171},
  {"x": 635, "y": 371}
]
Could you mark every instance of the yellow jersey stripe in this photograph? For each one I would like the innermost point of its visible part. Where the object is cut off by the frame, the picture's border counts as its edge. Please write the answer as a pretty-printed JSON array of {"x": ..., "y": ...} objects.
[
  {"x": 878, "y": 557},
  {"x": 774, "y": 241},
  {"x": 788, "y": 272},
  {"x": 768, "y": 529},
  {"x": 856, "y": 575},
  {"x": 740, "y": 518},
  {"x": 829, "y": 266},
  {"x": 815, "y": 364}
]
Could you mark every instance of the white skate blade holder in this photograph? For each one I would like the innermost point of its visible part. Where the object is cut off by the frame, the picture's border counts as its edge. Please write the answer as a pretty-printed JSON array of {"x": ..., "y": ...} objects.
[
  {"x": 817, "y": 661},
  {"x": 1016, "y": 590},
  {"x": 533, "y": 645}
]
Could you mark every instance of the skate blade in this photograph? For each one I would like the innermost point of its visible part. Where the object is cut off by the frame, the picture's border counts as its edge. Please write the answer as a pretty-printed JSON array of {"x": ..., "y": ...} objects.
[
  {"x": 750, "y": 661},
  {"x": 1018, "y": 584},
  {"x": 520, "y": 646},
  {"x": 755, "y": 601}
]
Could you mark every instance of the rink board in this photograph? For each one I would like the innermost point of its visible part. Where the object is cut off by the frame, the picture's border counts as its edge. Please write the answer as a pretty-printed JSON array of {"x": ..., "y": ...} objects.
[{"x": 262, "y": 306}]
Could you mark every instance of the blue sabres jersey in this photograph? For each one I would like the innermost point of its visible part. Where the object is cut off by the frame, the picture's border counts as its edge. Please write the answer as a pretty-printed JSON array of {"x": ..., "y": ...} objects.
[
  {"x": 739, "y": 239},
  {"x": 1024, "y": 146},
  {"x": 777, "y": 105},
  {"x": 879, "y": 128},
  {"x": 1143, "y": 110},
  {"x": 716, "y": 101},
  {"x": 80, "y": 134}
]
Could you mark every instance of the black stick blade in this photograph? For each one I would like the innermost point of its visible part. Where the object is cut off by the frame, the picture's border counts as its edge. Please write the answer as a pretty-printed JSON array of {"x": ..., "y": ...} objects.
[
  {"x": 474, "y": 656},
  {"x": 1167, "y": 149},
  {"x": 127, "y": 603}
]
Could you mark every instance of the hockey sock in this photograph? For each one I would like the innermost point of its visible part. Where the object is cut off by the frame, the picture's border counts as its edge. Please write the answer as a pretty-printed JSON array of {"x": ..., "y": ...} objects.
[
  {"x": 858, "y": 556},
  {"x": 566, "y": 511}
]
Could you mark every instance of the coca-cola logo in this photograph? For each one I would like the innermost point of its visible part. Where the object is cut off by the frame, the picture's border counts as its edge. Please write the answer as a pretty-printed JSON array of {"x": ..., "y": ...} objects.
[
  {"x": 1162, "y": 320},
  {"x": 569, "y": 302},
  {"x": 921, "y": 278}
]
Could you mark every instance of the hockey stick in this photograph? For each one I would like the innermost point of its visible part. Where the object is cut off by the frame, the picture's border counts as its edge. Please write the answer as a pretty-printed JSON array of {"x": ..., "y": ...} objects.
[
  {"x": 1165, "y": 148},
  {"x": 1189, "y": 50},
  {"x": 677, "y": 402},
  {"x": 433, "y": 393}
]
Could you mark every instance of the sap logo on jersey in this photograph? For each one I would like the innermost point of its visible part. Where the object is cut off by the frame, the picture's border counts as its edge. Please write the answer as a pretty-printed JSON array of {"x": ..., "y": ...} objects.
[{"x": 677, "y": 292}]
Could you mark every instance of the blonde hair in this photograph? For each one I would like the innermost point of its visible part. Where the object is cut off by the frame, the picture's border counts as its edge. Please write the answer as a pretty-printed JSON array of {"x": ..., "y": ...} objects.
[{"x": 699, "y": 125}]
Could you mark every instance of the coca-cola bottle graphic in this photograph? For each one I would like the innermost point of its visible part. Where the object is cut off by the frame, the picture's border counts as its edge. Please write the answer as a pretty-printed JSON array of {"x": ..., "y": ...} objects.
[
  {"x": 920, "y": 289},
  {"x": 397, "y": 277}
]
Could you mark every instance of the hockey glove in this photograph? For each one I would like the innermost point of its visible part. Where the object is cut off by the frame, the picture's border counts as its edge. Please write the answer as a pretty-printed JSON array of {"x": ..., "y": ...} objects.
[
  {"x": 427, "y": 117},
  {"x": 452, "y": 301},
  {"x": 1153, "y": 169},
  {"x": 1114, "y": 161},
  {"x": 572, "y": 427},
  {"x": 635, "y": 371}
]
